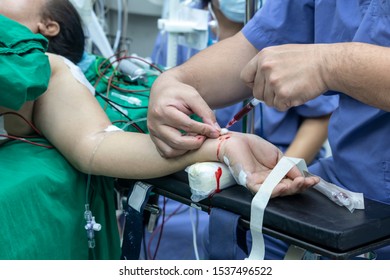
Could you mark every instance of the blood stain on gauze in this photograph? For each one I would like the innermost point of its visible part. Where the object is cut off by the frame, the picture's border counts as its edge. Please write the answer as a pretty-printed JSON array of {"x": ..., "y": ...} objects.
[
  {"x": 207, "y": 178},
  {"x": 218, "y": 175}
]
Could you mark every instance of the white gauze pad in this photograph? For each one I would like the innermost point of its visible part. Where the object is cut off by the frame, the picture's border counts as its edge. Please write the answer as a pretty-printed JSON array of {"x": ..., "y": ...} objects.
[{"x": 206, "y": 178}]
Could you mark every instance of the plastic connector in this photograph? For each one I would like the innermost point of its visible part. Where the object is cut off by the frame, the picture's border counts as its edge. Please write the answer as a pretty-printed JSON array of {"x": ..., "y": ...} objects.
[
  {"x": 132, "y": 70},
  {"x": 342, "y": 197},
  {"x": 91, "y": 226}
]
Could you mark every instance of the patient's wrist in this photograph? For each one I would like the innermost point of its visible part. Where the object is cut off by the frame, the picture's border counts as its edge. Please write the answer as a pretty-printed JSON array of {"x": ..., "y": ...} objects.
[{"x": 209, "y": 149}]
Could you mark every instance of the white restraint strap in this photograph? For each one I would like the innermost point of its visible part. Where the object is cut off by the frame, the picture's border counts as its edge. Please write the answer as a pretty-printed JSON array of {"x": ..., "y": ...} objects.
[{"x": 260, "y": 201}]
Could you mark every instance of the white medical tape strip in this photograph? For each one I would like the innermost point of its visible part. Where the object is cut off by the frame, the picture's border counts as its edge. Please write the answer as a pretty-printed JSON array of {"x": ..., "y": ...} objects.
[
  {"x": 2, "y": 128},
  {"x": 79, "y": 75},
  {"x": 138, "y": 195},
  {"x": 260, "y": 201},
  {"x": 112, "y": 128}
]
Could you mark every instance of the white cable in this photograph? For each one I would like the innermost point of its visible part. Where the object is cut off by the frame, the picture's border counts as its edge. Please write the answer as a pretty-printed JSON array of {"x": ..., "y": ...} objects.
[
  {"x": 211, "y": 11},
  {"x": 120, "y": 24},
  {"x": 194, "y": 234},
  {"x": 132, "y": 122},
  {"x": 100, "y": 13},
  {"x": 124, "y": 25},
  {"x": 188, "y": 54},
  {"x": 172, "y": 44},
  {"x": 163, "y": 42}
]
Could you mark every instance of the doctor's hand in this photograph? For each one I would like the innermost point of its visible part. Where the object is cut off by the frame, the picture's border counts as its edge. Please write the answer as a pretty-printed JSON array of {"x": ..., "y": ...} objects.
[
  {"x": 172, "y": 130},
  {"x": 288, "y": 75},
  {"x": 251, "y": 159}
]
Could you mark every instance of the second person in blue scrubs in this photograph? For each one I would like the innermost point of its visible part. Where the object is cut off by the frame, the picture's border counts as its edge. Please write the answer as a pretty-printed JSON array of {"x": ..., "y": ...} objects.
[{"x": 289, "y": 53}]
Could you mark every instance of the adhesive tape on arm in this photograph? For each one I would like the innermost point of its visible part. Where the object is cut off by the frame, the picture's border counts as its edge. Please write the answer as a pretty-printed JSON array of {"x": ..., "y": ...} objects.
[{"x": 79, "y": 75}]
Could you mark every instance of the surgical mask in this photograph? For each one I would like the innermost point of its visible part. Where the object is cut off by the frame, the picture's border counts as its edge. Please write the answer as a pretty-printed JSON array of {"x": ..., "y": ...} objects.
[{"x": 234, "y": 10}]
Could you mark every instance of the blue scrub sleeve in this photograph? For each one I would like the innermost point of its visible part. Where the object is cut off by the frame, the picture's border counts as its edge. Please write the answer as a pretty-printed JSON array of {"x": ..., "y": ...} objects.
[
  {"x": 293, "y": 20},
  {"x": 288, "y": 22},
  {"x": 320, "y": 106}
]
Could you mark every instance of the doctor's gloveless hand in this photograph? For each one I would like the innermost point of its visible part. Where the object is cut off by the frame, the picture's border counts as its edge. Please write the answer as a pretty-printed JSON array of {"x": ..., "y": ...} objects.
[
  {"x": 172, "y": 130},
  {"x": 287, "y": 75}
]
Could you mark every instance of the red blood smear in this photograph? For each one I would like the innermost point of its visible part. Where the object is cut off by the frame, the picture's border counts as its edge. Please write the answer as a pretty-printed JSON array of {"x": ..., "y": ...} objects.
[{"x": 218, "y": 175}]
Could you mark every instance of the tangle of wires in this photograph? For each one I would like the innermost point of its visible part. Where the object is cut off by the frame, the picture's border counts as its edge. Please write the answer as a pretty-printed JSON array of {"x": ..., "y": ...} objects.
[
  {"x": 107, "y": 72},
  {"x": 151, "y": 247},
  {"x": 25, "y": 138},
  {"x": 149, "y": 255}
]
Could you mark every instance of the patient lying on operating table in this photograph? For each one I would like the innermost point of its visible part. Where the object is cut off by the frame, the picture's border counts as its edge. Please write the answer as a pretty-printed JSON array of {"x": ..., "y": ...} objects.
[
  {"x": 70, "y": 117},
  {"x": 72, "y": 120}
]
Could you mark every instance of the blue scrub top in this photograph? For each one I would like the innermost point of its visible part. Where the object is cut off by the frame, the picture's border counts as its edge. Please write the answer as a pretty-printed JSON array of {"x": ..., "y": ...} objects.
[{"x": 357, "y": 132}]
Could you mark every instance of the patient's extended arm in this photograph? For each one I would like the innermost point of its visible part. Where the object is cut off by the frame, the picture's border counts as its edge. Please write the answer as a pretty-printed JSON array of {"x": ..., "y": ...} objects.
[{"x": 70, "y": 117}]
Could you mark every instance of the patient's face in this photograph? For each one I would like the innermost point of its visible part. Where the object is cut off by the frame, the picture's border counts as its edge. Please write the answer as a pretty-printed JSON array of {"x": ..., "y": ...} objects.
[{"x": 26, "y": 12}]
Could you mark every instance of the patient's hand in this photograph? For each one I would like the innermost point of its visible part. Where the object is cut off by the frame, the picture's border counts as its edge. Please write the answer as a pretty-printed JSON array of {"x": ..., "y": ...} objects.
[{"x": 251, "y": 159}]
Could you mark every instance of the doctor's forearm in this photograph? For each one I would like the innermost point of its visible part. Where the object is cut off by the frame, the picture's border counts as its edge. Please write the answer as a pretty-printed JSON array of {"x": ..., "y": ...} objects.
[
  {"x": 215, "y": 71},
  {"x": 360, "y": 71}
]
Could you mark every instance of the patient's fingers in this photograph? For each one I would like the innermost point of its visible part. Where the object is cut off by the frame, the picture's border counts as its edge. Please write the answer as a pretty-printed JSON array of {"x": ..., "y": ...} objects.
[
  {"x": 298, "y": 185},
  {"x": 285, "y": 187}
]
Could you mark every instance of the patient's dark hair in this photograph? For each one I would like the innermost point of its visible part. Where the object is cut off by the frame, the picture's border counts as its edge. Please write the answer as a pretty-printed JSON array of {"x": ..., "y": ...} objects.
[{"x": 70, "y": 41}]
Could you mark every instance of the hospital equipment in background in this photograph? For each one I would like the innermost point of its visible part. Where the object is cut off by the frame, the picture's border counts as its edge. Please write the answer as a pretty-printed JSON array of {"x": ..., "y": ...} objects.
[
  {"x": 185, "y": 26},
  {"x": 98, "y": 37}
]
